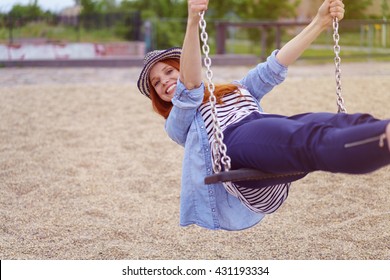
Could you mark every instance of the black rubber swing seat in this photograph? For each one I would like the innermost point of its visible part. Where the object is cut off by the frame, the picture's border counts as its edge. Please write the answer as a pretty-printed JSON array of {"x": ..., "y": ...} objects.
[{"x": 250, "y": 175}]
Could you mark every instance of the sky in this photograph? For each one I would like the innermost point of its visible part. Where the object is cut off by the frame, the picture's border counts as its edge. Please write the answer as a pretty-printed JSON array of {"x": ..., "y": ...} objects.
[{"x": 52, "y": 5}]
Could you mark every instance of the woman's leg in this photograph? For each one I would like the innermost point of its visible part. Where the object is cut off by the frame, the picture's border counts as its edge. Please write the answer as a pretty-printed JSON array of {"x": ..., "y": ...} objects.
[
  {"x": 308, "y": 143},
  {"x": 337, "y": 120}
]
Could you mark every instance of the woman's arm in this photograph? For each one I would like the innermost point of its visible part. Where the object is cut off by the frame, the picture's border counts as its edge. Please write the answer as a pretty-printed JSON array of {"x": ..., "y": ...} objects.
[
  {"x": 191, "y": 59},
  {"x": 290, "y": 52},
  {"x": 190, "y": 89}
]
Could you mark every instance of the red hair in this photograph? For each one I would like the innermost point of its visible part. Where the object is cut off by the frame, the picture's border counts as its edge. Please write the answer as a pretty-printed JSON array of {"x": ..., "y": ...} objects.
[{"x": 163, "y": 108}]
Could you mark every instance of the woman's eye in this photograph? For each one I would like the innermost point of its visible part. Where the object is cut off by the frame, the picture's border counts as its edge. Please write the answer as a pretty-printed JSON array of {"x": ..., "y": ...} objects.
[{"x": 156, "y": 83}]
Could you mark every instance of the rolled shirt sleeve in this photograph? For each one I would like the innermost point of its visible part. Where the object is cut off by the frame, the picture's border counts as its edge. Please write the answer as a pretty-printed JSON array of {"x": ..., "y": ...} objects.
[
  {"x": 265, "y": 76},
  {"x": 185, "y": 103}
]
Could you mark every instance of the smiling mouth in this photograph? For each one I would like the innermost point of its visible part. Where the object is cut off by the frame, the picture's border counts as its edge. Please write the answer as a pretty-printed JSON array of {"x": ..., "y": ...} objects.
[{"x": 172, "y": 87}]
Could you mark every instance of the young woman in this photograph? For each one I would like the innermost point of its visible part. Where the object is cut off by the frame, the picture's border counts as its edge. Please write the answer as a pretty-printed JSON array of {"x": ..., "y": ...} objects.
[{"x": 172, "y": 79}]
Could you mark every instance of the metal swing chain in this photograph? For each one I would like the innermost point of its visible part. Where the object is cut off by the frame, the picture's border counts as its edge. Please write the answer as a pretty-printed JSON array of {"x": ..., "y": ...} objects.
[
  {"x": 337, "y": 60},
  {"x": 220, "y": 156}
]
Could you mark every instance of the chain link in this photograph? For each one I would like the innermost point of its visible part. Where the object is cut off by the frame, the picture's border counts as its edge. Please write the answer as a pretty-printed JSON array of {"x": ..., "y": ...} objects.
[
  {"x": 337, "y": 60},
  {"x": 220, "y": 151}
]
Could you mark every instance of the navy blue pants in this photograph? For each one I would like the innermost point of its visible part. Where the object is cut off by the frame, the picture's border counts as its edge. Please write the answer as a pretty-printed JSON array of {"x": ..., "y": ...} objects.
[{"x": 308, "y": 142}]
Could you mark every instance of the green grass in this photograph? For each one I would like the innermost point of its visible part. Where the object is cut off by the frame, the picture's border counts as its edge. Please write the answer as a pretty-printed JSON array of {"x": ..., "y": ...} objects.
[
  {"x": 322, "y": 56},
  {"x": 354, "y": 47},
  {"x": 61, "y": 33}
]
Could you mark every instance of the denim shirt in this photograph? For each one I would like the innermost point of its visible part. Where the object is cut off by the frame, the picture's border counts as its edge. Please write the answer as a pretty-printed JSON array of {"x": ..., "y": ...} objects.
[{"x": 210, "y": 206}]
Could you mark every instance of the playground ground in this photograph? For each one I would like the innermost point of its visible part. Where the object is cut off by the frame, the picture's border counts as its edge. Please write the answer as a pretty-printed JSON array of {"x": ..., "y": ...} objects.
[{"x": 87, "y": 172}]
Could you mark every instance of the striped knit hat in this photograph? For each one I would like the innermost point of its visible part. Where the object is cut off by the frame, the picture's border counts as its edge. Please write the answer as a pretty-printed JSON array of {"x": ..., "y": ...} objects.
[{"x": 151, "y": 58}]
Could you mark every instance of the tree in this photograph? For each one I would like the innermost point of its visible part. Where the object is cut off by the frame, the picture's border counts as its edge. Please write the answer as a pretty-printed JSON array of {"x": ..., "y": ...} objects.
[
  {"x": 166, "y": 16},
  {"x": 160, "y": 9},
  {"x": 385, "y": 9},
  {"x": 31, "y": 10},
  {"x": 356, "y": 9},
  {"x": 264, "y": 9},
  {"x": 89, "y": 7},
  {"x": 96, "y": 13},
  {"x": 107, "y": 6},
  {"x": 169, "y": 16}
]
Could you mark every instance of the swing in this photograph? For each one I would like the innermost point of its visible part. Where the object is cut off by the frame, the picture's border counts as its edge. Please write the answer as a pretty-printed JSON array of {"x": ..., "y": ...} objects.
[{"x": 222, "y": 159}]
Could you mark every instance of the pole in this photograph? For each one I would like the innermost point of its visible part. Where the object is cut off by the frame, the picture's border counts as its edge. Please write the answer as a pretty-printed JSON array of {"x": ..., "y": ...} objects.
[{"x": 10, "y": 29}]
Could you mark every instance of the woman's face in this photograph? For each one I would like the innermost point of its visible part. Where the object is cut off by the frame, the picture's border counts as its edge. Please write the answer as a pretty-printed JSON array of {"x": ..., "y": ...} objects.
[{"x": 163, "y": 78}]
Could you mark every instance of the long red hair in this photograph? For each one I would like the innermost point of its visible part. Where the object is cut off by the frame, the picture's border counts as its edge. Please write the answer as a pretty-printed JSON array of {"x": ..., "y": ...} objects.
[{"x": 163, "y": 108}]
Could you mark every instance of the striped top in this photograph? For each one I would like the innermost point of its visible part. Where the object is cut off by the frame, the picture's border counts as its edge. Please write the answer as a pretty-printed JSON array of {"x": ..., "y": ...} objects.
[{"x": 235, "y": 107}]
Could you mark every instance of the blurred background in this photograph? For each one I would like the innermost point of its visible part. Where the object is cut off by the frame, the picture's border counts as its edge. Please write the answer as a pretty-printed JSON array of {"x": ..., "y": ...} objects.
[{"x": 38, "y": 29}]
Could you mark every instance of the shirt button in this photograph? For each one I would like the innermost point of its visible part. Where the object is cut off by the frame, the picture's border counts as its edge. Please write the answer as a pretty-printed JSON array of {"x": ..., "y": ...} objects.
[
  {"x": 213, "y": 209},
  {"x": 202, "y": 127}
]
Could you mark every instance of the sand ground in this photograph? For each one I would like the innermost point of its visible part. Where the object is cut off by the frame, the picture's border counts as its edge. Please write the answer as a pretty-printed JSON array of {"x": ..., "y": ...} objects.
[{"x": 87, "y": 172}]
